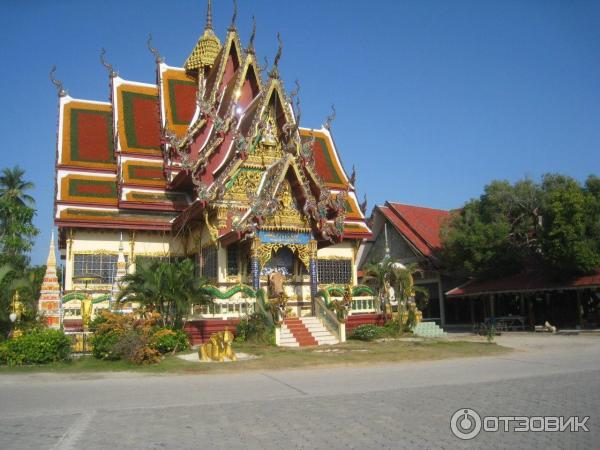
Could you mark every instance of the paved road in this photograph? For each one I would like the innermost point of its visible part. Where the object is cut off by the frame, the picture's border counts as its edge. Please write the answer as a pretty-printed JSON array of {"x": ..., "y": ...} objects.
[{"x": 387, "y": 406}]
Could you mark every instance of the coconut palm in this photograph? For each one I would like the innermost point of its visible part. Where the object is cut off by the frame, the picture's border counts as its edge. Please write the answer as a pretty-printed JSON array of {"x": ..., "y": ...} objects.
[
  {"x": 167, "y": 288},
  {"x": 13, "y": 187},
  {"x": 404, "y": 284}
]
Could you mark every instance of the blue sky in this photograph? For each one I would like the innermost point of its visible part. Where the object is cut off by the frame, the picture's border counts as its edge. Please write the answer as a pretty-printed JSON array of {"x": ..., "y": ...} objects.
[{"x": 434, "y": 98}]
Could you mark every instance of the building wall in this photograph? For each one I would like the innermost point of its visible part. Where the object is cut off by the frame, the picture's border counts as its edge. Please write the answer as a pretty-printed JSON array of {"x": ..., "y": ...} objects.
[{"x": 144, "y": 243}]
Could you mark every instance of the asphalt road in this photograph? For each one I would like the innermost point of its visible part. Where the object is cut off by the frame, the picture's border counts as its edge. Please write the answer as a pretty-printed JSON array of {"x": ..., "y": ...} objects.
[{"x": 386, "y": 406}]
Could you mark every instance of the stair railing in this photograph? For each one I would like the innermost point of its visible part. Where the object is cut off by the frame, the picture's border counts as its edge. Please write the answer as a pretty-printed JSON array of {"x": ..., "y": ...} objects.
[{"x": 329, "y": 318}]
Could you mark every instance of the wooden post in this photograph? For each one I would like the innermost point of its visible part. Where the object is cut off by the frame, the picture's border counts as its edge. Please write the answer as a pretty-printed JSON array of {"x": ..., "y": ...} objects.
[
  {"x": 472, "y": 309},
  {"x": 441, "y": 300},
  {"x": 531, "y": 312},
  {"x": 522, "y": 304},
  {"x": 492, "y": 306},
  {"x": 579, "y": 309}
]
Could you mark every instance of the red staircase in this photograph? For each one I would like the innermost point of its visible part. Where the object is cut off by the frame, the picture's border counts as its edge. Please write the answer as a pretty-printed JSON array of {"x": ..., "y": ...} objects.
[{"x": 300, "y": 332}]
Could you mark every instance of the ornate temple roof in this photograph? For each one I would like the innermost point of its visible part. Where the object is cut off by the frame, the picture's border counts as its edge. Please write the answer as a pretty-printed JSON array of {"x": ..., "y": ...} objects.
[{"x": 159, "y": 155}]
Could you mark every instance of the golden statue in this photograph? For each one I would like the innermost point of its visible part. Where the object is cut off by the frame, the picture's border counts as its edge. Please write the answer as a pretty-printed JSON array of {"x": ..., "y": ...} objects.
[
  {"x": 218, "y": 348},
  {"x": 86, "y": 312}
]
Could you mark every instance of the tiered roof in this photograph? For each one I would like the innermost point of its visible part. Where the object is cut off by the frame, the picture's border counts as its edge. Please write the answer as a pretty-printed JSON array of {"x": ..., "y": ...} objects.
[{"x": 159, "y": 155}]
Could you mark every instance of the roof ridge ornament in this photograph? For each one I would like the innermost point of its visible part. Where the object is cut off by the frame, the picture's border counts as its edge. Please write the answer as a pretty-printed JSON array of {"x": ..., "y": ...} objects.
[
  {"x": 60, "y": 90},
  {"x": 250, "y": 48},
  {"x": 330, "y": 118},
  {"x": 363, "y": 205},
  {"x": 157, "y": 56},
  {"x": 234, "y": 16},
  {"x": 275, "y": 70},
  {"x": 109, "y": 67}
]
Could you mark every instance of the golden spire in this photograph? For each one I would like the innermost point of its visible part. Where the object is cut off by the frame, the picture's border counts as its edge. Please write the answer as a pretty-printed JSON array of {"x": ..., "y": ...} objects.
[
  {"x": 209, "y": 16},
  {"x": 207, "y": 48}
]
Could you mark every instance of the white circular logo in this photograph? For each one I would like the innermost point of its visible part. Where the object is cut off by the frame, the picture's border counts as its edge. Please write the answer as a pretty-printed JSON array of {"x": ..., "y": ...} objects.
[{"x": 465, "y": 424}]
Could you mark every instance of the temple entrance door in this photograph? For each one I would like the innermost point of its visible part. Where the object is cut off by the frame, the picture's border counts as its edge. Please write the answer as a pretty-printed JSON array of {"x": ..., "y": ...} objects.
[{"x": 282, "y": 264}]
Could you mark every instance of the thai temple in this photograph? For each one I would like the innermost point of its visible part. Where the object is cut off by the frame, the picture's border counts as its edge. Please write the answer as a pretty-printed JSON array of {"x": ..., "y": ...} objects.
[{"x": 210, "y": 163}]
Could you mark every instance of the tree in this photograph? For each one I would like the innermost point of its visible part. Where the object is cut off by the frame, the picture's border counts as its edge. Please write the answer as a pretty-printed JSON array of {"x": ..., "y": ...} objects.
[
  {"x": 566, "y": 244},
  {"x": 16, "y": 218},
  {"x": 167, "y": 288},
  {"x": 14, "y": 188},
  {"x": 400, "y": 277},
  {"x": 552, "y": 225}
]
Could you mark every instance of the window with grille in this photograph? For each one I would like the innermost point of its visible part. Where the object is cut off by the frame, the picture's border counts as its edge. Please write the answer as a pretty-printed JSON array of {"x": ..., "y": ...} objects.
[
  {"x": 209, "y": 262},
  {"x": 334, "y": 271},
  {"x": 103, "y": 266},
  {"x": 232, "y": 260}
]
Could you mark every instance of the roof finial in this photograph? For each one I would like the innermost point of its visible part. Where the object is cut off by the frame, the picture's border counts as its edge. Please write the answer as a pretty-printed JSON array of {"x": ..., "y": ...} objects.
[
  {"x": 330, "y": 118},
  {"x": 363, "y": 205},
  {"x": 275, "y": 70},
  {"x": 111, "y": 71},
  {"x": 250, "y": 48},
  {"x": 209, "y": 16},
  {"x": 60, "y": 90},
  {"x": 232, "y": 26},
  {"x": 157, "y": 56}
]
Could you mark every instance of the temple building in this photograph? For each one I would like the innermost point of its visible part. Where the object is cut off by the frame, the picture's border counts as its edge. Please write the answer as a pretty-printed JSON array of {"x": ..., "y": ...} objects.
[
  {"x": 411, "y": 235},
  {"x": 208, "y": 163}
]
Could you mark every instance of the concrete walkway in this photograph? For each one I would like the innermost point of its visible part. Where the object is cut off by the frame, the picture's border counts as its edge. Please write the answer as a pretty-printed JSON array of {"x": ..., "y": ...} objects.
[{"x": 406, "y": 405}]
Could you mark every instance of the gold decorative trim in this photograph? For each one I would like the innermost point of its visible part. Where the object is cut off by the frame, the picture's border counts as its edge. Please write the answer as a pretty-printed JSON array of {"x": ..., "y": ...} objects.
[
  {"x": 221, "y": 217},
  {"x": 212, "y": 230},
  {"x": 265, "y": 252},
  {"x": 99, "y": 251}
]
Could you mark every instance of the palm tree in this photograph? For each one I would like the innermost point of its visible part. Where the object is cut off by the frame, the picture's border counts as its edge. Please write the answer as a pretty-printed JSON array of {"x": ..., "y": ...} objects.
[
  {"x": 13, "y": 187},
  {"x": 404, "y": 282},
  {"x": 167, "y": 288}
]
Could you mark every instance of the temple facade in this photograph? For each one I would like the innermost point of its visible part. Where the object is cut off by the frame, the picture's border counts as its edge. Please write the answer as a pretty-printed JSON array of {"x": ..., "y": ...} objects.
[{"x": 210, "y": 163}]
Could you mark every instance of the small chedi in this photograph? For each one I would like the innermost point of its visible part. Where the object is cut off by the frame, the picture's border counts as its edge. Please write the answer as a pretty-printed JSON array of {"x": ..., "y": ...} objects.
[{"x": 218, "y": 348}]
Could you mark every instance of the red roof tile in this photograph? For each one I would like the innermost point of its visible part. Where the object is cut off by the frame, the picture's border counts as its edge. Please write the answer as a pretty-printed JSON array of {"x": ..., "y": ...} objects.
[
  {"x": 421, "y": 226},
  {"x": 529, "y": 281}
]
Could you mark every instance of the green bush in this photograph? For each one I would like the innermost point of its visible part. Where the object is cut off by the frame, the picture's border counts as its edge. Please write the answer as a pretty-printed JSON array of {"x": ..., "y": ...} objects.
[
  {"x": 255, "y": 328},
  {"x": 166, "y": 340},
  {"x": 3, "y": 353},
  {"x": 368, "y": 332},
  {"x": 102, "y": 345},
  {"x": 36, "y": 347}
]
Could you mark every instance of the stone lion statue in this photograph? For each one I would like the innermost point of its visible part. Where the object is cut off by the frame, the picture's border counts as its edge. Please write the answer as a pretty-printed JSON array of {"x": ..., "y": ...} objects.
[{"x": 218, "y": 348}]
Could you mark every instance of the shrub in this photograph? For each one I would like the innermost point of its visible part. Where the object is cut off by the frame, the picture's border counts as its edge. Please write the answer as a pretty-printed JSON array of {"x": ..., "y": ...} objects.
[
  {"x": 255, "y": 328},
  {"x": 166, "y": 340},
  {"x": 102, "y": 345},
  {"x": 393, "y": 328},
  {"x": 36, "y": 347},
  {"x": 3, "y": 352},
  {"x": 367, "y": 332},
  {"x": 124, "y": 336},
  {"x": 134, "y": 347}
]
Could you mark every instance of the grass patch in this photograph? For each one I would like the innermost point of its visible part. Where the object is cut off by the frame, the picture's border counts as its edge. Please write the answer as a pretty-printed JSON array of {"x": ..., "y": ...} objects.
[{"x": 273, "y": 358}]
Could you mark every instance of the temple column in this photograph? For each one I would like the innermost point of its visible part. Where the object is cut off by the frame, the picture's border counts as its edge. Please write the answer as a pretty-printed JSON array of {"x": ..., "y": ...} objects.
[
  {"x": 312, "y": 247},
  {"x": 254, "y": 264}
]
